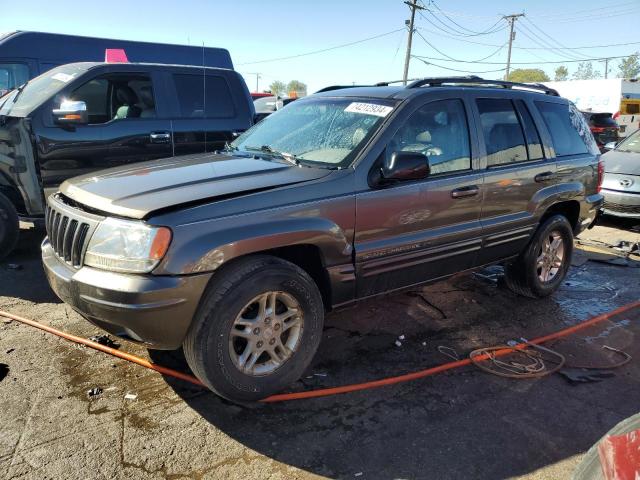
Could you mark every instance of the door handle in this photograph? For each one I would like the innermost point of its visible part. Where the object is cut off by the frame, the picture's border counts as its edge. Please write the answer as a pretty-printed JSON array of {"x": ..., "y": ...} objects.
[
  {"x": 468, "y": 191},
  {"x": 160, "y": 137},
  {"x": 544, "y": 177}
]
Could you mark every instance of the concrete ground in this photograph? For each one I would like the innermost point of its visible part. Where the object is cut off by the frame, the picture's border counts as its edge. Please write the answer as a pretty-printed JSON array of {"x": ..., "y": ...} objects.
[{"x": 460, "y": 424}]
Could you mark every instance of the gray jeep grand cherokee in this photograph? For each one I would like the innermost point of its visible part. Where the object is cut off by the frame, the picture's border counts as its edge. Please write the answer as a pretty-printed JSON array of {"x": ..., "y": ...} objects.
[{"x": 340, "y": 196}]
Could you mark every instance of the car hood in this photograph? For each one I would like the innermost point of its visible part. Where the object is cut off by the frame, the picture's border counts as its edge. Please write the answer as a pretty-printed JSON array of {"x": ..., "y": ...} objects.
[
  {"x": 137, "y": 190},
  {"x": 622, "y": 162}
]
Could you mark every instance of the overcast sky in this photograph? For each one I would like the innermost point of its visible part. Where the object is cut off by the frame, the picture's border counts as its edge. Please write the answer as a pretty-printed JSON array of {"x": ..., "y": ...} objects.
[{"x": 257, "y": 30}]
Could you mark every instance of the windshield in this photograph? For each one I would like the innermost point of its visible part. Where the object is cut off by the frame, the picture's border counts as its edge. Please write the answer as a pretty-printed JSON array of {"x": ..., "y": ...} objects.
[
  {"x": 630, "y": 144},
  {"x": 321, "y": 130},
  {"x": 39, "y": 90}
]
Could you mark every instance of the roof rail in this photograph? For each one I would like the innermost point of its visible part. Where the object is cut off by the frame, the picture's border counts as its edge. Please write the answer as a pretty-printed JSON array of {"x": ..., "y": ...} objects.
[
  {"x": 339, "y": 87},
  {"x": 474, "y": 80}
]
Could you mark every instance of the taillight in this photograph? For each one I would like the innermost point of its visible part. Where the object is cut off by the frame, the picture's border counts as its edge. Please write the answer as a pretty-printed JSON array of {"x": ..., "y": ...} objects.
[
  {"x": 600, "y": 174},
  {"x": 597, "y": 129}
]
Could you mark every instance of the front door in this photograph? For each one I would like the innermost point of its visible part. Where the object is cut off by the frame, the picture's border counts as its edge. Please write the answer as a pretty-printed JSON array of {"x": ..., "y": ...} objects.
[
  {"x": 408, "y": 233},
  {"x": 123, "y": 128}
]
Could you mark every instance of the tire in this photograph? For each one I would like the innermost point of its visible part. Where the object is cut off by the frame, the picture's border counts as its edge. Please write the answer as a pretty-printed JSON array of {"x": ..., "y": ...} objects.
[
  {"x": 523, "y": 275},
  {"x": 213, "y": 348},
  {"x": 9, "y": 226}
]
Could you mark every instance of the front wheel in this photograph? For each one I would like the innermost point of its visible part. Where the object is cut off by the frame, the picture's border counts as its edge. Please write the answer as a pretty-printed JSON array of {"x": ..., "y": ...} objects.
[
  {"x": 256, "y": 330},
  {"x": 540, "y": 268}
]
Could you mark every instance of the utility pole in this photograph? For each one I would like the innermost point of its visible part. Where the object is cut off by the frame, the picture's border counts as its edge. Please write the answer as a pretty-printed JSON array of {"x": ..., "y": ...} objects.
[
  {"x": 258, "y": 77},
  {"x": 512, "y": 35},
  {"x": 606, "y": 67},
  {"x": 413, "y": 5}
]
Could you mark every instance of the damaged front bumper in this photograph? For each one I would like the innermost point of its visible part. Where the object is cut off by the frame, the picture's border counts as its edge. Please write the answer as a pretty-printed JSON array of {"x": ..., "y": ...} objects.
[{"x": 149, "y": 309}]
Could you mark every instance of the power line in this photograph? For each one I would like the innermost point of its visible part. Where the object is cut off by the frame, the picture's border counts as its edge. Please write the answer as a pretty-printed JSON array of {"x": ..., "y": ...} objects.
[
  {"x": 487, "y": 31},
  {"x": 452, "y": 31},
  {"x": 455, "y": 69},
  {"x": 595, "y": 59},
  {"x": 539, "y": 41},
  {"x": 314, "y": 52},
  {"x": 451, "y": 59}
]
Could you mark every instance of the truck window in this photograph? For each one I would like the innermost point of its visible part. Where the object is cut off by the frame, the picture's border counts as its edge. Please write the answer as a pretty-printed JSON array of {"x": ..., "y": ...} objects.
[
  {"x": 12, "y": 75},
  {"x": 439, "y": 130},
  {"x": 502, "y": 131},
  {"x": 212, "y": 101},
  {"x": 534, "y": 146},
  {"x": 569, "y": 130},
  {"x": 117, "y": 97}
]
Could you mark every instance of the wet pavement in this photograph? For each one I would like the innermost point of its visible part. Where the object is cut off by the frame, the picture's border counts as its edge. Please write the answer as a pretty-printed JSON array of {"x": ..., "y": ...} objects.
[{"x": 460, "y": 424}]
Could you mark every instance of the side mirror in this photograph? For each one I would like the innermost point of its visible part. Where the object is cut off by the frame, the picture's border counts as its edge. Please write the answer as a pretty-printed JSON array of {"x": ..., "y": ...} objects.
[
  {"x": 405, "y": 166},
  {"x": 610, "y": 146},
  {"x": 71, "y": 112}
]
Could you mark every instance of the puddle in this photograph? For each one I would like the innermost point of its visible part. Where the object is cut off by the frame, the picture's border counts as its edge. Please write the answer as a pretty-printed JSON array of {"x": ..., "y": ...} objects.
[{"x": 588, "y": 292}]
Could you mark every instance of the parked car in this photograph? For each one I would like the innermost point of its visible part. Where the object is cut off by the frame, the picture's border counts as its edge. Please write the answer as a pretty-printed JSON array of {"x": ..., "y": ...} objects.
[
  {"x": 621, "y": 186},
  {"x": 265, "y": 106},
  {"x": 603, "y": 127},
  {"x": 25, "y": 55},
  {"x": 83, "y": 117},
  {"x": 339, "y": 197}
]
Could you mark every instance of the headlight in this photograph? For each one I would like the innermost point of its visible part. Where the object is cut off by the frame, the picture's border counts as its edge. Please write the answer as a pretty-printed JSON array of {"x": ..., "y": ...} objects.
[{"x": 127, "y": 246}]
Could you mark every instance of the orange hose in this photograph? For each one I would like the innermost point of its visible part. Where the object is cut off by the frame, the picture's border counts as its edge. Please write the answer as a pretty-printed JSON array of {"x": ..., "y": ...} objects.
[{"x": 323, "y": 392}]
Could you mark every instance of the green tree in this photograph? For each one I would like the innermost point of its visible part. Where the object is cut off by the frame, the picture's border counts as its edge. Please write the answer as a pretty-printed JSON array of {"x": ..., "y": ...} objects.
[
  {"x": 561, "y": 74},
  {"x": 298, "y": 87},
  {"x": 630, "y": 67},
  {"x": 585, "y": 71},
  {"x": 277, "y": 87},
  {"x": 528, "y": 75}
]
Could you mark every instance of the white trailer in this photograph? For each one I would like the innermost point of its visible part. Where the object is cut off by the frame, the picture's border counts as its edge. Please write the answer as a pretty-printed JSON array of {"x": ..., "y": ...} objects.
[{"x": 617, "y": 96}]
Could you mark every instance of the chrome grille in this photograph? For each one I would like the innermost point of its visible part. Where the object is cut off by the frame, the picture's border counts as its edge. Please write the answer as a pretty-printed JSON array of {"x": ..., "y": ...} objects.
[{"x": 68, "y": 230}]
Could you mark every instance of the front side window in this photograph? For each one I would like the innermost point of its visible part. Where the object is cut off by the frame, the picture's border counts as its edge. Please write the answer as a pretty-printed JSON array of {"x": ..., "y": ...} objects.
[
  {"x": 117, "y": 97},
  {"x": 326, "y": 131},
  {"x": 439, "y": 130},
  {"x": 503, "y": 135},
  {"x": 568, "y": 128}
]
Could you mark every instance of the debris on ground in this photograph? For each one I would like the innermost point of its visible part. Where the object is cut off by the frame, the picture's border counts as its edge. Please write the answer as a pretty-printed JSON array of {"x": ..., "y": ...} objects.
[
  {"x": 4, "y": 371},
  {"x": 401, "y": 337},
  {"x": 398, "y": 343},
  {"x": 14, "y": 266},
  {"x": 10, "y": 350},
  {"x": 105, "y": 340},
  {"x": 94, "y": 392},
  {"x": 449, "y": 352},
  {"x": 622, "y": 253},
  {"x": 359, "y": 474},
  {"x": 579, "y": 375},
  {"x": 131, "y": 396}
]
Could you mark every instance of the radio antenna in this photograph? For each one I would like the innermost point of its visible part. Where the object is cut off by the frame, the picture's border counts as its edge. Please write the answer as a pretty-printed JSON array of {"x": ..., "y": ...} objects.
[{"x": 204, "y": 97}]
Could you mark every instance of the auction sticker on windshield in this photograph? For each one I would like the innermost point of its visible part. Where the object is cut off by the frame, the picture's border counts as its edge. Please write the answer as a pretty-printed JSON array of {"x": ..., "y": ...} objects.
[
  {"x": 62, "y": 77},
  {"x": 369, "y": 109}
]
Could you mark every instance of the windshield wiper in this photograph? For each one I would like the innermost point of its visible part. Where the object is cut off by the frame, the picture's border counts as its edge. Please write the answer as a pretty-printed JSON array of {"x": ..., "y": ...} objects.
[
  {"x": 288, "y": 157},
  {"x": 20, "y": 89}
]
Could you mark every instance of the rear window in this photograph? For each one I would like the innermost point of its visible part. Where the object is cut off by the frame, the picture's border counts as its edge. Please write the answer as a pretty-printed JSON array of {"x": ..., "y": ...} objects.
[
  {"x": 568, "y": 128},
  {"x": 602, "y": 120},
  {"x": 197, "y": 100}
]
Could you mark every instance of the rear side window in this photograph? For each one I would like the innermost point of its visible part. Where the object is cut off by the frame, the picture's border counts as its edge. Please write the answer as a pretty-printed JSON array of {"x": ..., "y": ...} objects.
[
  {"x": 198, "y": 99},
  {"x": 602, "y": 120},
  {"x": 534, "y": 146},
  {"x": 569, "y": 130},
  {"x": 503, "y": 135}
]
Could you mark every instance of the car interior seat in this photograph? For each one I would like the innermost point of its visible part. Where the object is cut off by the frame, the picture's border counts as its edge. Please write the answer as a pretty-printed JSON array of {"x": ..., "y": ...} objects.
[
  {"x": 148, "y": 102},
  {"x": 127, "y": 99}
]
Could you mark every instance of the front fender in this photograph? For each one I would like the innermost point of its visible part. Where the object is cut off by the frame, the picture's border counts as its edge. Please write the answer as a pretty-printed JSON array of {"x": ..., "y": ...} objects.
[{"x": 205, "y": 246}]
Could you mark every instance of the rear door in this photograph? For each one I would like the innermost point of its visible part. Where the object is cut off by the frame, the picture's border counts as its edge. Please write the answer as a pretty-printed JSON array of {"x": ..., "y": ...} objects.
[
  {"x": 516, "y": 169},
  {"x": 125, "y": 126},
  {"x": 414, "y": 231},
  {"x": 209, "y": 110}
]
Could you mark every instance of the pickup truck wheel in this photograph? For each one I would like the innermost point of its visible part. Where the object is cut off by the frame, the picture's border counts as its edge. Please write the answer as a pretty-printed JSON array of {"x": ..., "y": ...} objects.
[
  {"x": 9, "y": 226},
  {"x": 540, "y": 268},
  {"x": 257, "y": 328}
]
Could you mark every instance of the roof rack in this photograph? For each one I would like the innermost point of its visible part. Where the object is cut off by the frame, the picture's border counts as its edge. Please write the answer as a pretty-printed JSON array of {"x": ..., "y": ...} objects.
[{"x": 474, "y": 80}]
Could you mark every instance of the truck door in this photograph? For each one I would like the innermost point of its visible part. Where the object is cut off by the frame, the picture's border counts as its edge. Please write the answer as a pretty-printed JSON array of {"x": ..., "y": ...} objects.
[
  {"x": 414, "y": 231},
  {"x": 124, "y": 127}
]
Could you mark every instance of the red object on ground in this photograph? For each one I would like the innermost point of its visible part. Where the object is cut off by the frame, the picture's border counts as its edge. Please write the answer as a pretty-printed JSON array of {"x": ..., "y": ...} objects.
[
  {"x": 620, "y": 456},
  {"x": 115, "y": 55}
]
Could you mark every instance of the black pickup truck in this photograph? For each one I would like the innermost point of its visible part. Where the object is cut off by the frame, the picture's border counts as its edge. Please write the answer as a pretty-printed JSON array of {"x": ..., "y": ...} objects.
[
  {"x": 82, "y": 117},
  {"x": 342, "y": 195}
]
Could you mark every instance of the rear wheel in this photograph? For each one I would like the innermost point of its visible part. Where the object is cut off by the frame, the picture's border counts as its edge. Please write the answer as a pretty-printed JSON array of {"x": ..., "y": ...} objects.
[
  {"x": 9, "y": 226},
  {"x": 256, "y": 330},
  {"x": 540, "y": 268}
]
